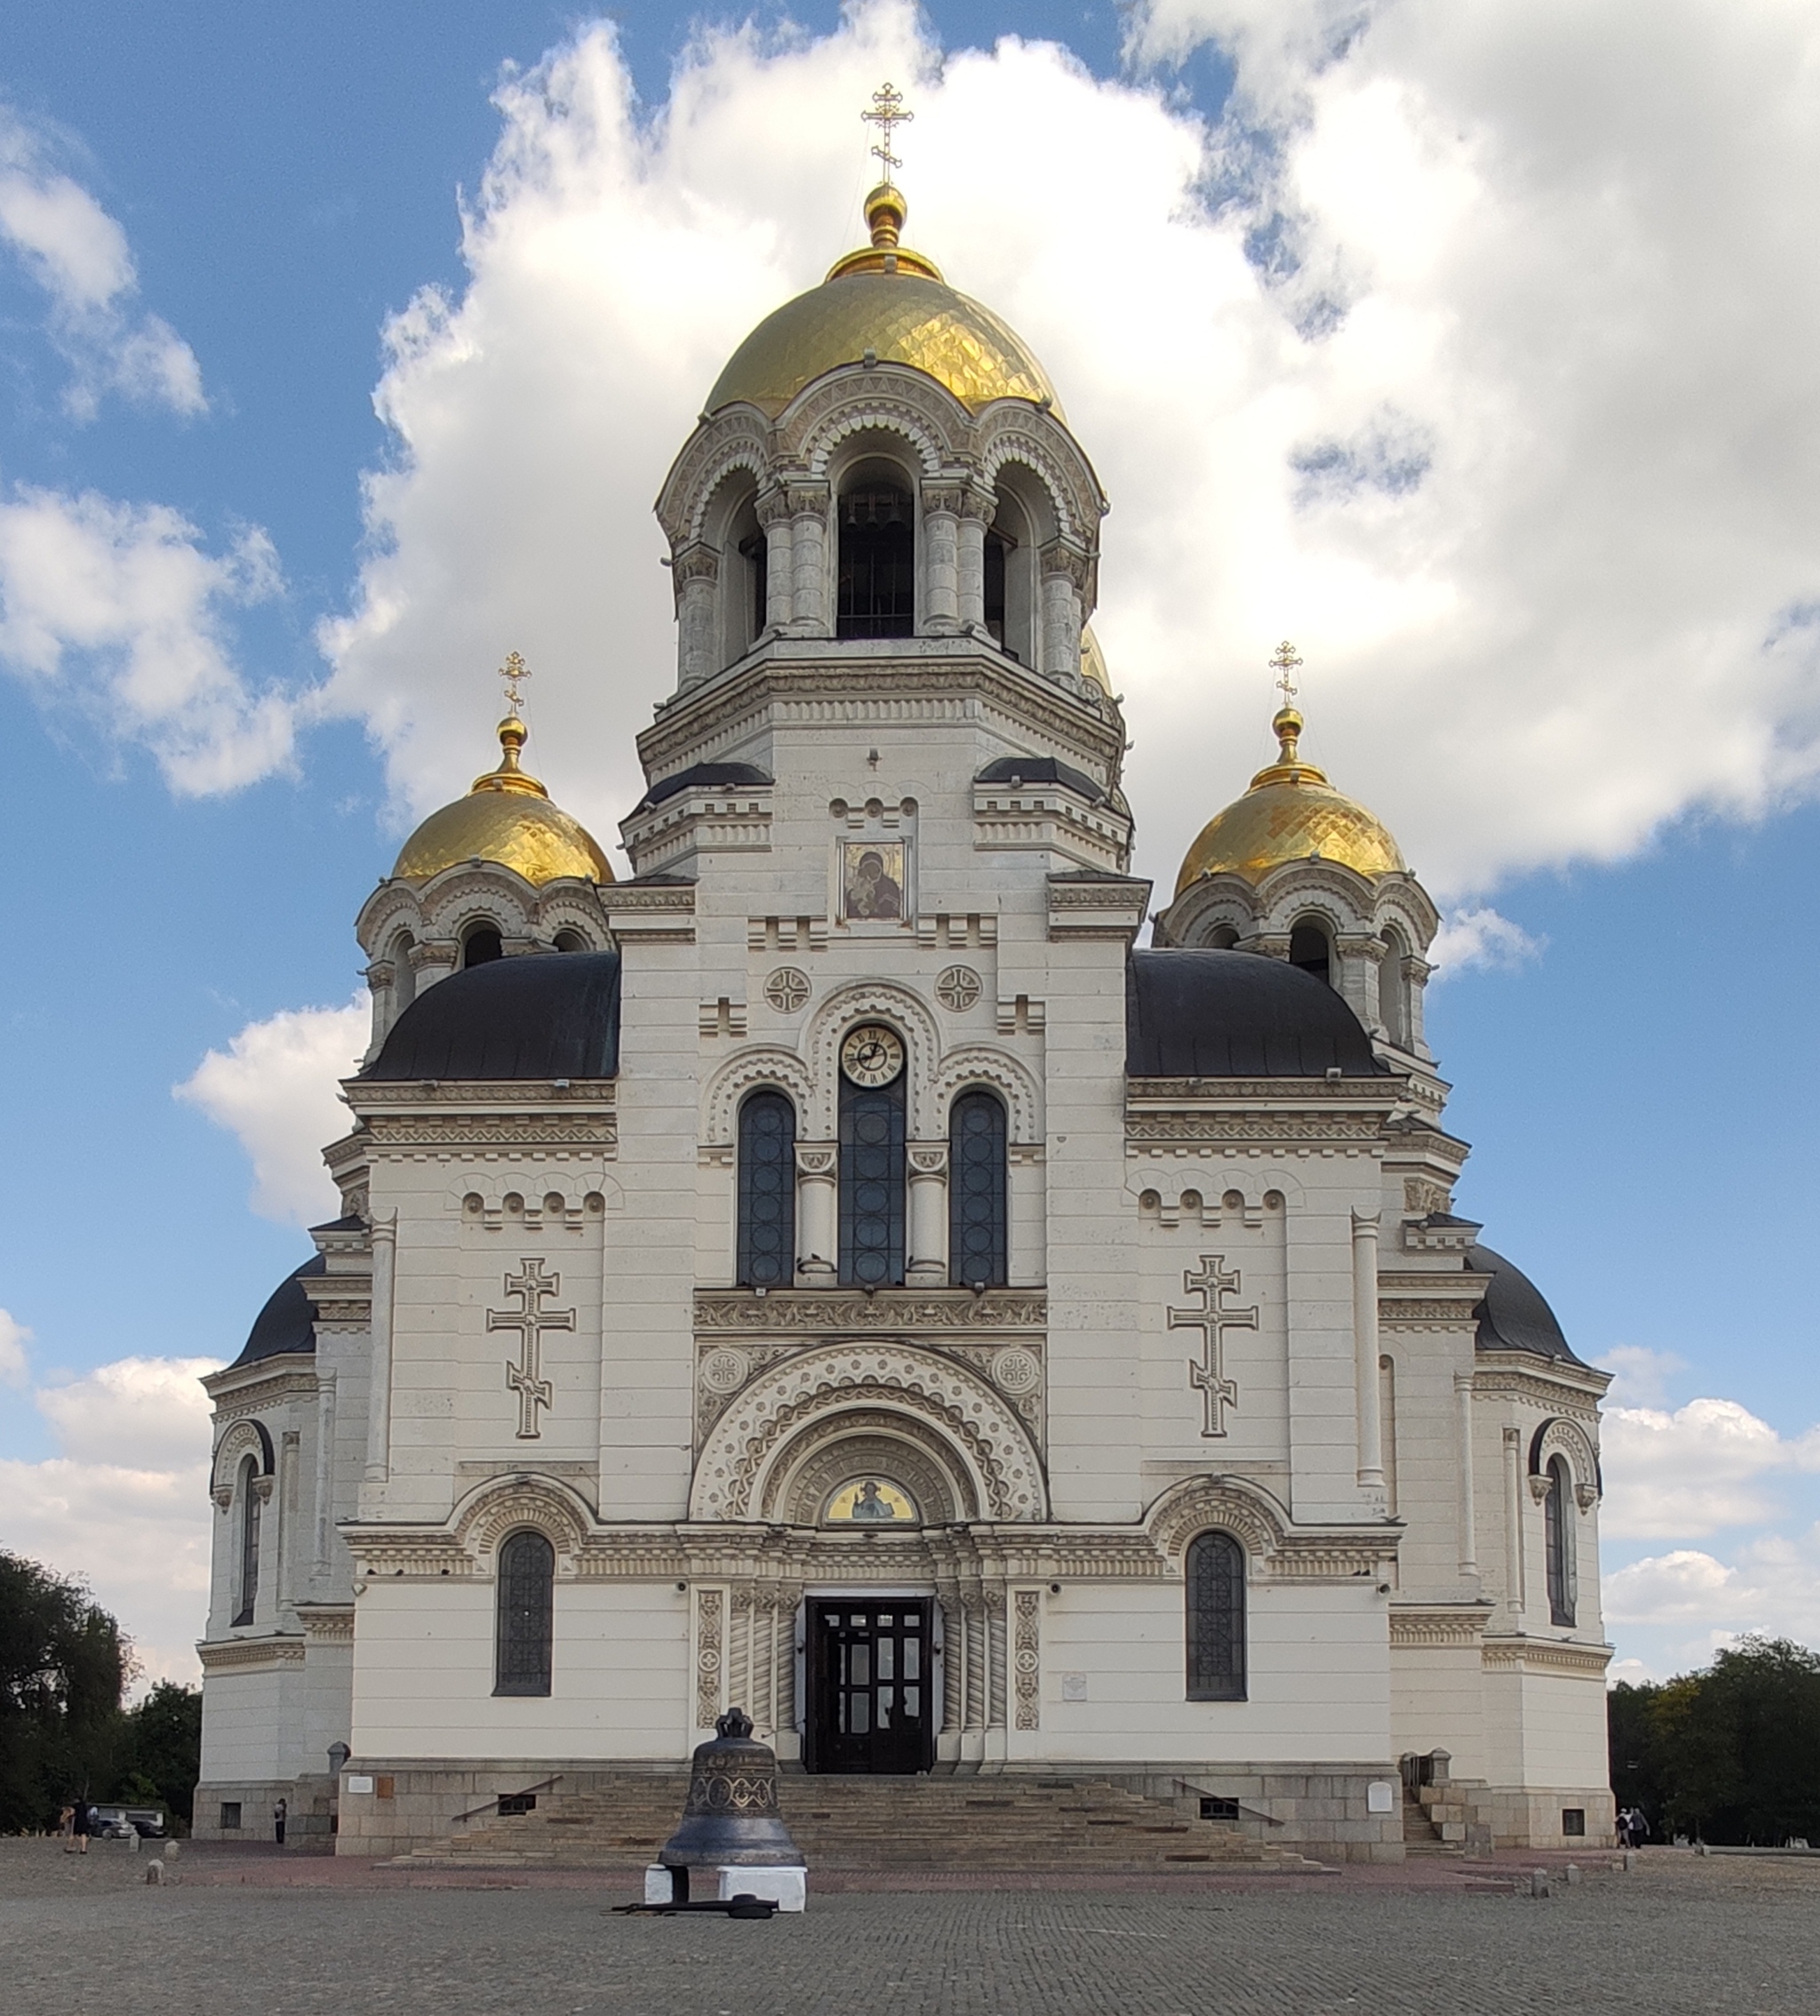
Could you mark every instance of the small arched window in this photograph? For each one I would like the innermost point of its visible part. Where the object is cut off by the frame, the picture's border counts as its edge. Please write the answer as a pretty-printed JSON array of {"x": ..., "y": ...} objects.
[
  {"x": 1393, "y": 992},
  {"x": 1225, "y": 937},
  {"x": 875, "y": 586},
  {"x": 481, "y": 944},
  {"x": 872, "y": 1184},
  {"x": 1557, "y": 1543},
  {"x": 1312, "y": 949},
  {"x": 767, "y": 1191},
  {"x": 977, "y": 1217},
  {"x": 526, "y": 1615},
  {"x": 403, "y": 973},
  {"x": 247, "y": 1576},
  {"x": 1215, "y": 1576},
  {"x": 571, "y": 942}
]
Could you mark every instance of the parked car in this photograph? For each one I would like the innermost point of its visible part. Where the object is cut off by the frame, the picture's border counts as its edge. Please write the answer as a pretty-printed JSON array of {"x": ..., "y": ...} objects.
[{"x": 122, "y": 1823}]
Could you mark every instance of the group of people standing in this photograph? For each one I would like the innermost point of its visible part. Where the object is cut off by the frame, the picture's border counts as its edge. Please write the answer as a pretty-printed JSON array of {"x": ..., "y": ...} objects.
[{"x": 1632, "y": 1828}]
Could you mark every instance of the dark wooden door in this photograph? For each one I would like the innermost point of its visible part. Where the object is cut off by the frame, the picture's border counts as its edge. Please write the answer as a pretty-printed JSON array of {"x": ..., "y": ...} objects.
[{"x": 872, "y": 1705}]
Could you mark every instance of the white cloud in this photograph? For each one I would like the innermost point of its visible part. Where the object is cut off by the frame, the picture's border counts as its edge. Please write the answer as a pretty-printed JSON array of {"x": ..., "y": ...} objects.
[
  {"x": 78, "y": 254},
  {"x": 124, "y": 1504},
  {"x": 1475, "y": 936},
  {"x": 1685, "y": 1604},
  {"x": 1513, "y": 439},
  {"x": 14, "y": 1369},
  {"x": 1642, "y": 1375},
  {"x": 1706, "y": 1466},
  {"x": 118, "y": 611},
  {"x": 276, "y": 1087}
]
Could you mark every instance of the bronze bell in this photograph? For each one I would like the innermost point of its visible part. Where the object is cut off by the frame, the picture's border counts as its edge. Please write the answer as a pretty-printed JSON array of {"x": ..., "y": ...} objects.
[{"x": 731, "y": 1814}]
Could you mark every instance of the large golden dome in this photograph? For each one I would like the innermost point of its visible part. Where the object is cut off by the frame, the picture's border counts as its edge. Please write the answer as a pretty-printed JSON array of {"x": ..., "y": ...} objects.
[
  {"x": 507, "y": 817},
  {"x": 1290, "y": 813},
  {"x": 892, "y": 305}
]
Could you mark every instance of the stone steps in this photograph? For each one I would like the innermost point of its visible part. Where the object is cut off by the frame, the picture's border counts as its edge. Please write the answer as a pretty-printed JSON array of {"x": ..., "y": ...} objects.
[{"x": 854, "y": 1823}]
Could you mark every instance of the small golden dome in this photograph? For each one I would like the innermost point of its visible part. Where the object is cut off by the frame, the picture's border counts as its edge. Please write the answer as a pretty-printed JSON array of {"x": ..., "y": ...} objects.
[
  {"x": 1093, "y": 664},
  {"x": 1290, "y": 813},
  {"x": 507, "y": 817},
  {"x": 890, "y": 305}
]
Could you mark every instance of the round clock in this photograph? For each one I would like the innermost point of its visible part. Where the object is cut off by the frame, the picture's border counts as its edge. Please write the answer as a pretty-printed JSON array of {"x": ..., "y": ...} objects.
[{"x": 872, "y": 1055}]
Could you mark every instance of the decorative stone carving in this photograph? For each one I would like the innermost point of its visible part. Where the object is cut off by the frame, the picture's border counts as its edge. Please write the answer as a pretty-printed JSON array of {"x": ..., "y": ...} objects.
[
  {"x": 530, "y": 1319},
  {"x": 957, "y": 988},
  {"x": 1026, "y": 1663},
  {"x": 725, "y": 1369},
  {"x": 710, "y": 1606},
  {"x": 841, "y": 1313},
  {"x": 788, "y": 989},
  {"x": 1015, "y": 1372},
  {"x": 1213, "y": 1282}
]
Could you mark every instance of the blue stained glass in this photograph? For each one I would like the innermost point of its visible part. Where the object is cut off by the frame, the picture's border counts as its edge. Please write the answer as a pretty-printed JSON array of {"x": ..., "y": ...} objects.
[
  {"x": 767, "y": 1191},
  {"x": 976, "y": 1216},
  {"x": 872, "y": 1185}
]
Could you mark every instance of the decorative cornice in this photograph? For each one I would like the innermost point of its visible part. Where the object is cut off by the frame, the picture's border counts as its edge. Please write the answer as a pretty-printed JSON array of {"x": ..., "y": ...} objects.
[
  {"x": 1546, "y": 1655},
  {"x": 452, "y": 1133},
  {"x": 370, "y": 1096},
  {"x": 1451, "y": 1626},
  {"x": 267, "y": 1383},
  {"x": 1356, "y": 1130},
  {"x": 326, "y": 1623},
  {"x": 845, "y": 1312},
  {"x": 240, "y": 1655},
  {"x": 1543, "y": 1382},
  {"x": 1271, "y": 1094}
]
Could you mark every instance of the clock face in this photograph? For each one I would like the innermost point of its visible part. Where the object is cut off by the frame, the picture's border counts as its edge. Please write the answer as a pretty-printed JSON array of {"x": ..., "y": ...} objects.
[{"x": 872, "y": 1055}]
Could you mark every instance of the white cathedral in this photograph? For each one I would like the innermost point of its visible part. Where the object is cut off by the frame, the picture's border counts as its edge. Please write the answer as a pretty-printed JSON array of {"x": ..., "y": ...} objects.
[{"x": 837, "y": 1273}]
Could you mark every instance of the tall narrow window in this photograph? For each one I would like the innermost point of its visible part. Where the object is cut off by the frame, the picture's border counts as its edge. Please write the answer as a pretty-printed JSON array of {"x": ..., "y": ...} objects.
[
  {"x": 247, "y": 1593},
  {"x": 754, "y": 551},
  {"x": 767, "y": 1191},
  {"x": 1558, "y": 1539},
  {"x": 1392, "y": 993},
  {"x": 1311, "y": 949},
  {"x": 876, "y": 587},
  {"x": 527, "y": 1586},
  {"x": 976, "y": 1192},
  {"x": 994, "y": 607},
  {"x": 1215, "y": 1573},
  {"x": 872, "y": 1184},
  {"x": 403, "y": 973}
]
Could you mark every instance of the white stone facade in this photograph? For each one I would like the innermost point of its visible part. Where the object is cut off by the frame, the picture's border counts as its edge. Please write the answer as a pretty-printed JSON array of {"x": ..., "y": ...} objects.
[{"x": 1228, "y": 1305}]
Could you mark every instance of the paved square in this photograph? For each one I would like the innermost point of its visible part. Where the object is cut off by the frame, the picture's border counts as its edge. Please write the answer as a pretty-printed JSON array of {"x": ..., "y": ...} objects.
[{"x": 245, "y": 1937}]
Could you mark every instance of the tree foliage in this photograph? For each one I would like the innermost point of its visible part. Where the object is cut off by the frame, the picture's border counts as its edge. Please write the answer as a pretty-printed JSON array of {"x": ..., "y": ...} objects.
[
  {"x": 64, "y": 1734},
  {"x": 1730, "y": 1754}
]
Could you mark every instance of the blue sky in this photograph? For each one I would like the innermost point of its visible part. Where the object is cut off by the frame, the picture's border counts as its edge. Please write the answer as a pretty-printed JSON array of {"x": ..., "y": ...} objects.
[{"x": 1637, "y": 1076}]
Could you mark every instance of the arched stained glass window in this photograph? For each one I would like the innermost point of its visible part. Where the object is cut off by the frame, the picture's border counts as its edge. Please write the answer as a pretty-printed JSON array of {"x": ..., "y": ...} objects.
[
  {"x": 767, "y": 1191},
  {"x": 526, "y": 1618},
  {"x": 1215, "y": 1576},
  {"x": 247, "y": 1594},
  {"x": 977, "y": 1226},
  {"x": 1558, "y": 1536},
  {"x": 872, "y": 1184}
]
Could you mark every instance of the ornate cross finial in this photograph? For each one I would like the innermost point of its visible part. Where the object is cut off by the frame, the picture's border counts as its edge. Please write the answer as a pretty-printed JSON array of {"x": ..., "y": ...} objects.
[
  {"x": 514, "y": 671},
  {"x": 887, "y": 112},
  {"x": 1286, "y": 662}
]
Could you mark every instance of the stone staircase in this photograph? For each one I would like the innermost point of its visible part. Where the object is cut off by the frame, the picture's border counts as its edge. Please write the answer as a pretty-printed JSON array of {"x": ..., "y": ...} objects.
[{"x": 1000, "y": 1823}]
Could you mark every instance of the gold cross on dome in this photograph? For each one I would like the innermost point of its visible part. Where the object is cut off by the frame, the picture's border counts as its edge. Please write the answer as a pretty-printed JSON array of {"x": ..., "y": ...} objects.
[
  {"x": 514, "y": 672},
  {"x": 887, "y": 112},
  {"x": 1286, "y": 662}
]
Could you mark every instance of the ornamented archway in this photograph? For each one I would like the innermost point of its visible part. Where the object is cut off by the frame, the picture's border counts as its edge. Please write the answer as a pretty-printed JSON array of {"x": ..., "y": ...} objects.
[{"x": 957, "y": 1445}]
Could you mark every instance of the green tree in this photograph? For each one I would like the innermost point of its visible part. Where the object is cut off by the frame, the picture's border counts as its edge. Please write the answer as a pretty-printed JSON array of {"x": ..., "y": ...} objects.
[
  {"x": 164, "y": 1748},
  {"x": 63, "y": 1667}
]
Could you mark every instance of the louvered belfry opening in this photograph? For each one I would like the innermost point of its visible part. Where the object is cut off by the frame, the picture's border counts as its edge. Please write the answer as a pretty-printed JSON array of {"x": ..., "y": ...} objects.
[{"x": 876, "y": 586}]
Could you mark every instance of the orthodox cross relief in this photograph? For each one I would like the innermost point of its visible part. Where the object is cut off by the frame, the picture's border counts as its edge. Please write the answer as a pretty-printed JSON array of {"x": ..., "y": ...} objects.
[
  {"x": 531, "y": 1320},
  {"x": 1213, "y": 1284}
]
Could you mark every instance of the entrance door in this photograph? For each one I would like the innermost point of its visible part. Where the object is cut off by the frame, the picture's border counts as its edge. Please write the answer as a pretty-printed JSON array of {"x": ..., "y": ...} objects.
[{"x": 871, "y": 1704}]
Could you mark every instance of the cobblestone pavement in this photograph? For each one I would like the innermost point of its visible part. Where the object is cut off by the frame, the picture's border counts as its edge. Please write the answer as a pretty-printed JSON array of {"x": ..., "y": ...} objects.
[{"x": 1679, "y": 1933}]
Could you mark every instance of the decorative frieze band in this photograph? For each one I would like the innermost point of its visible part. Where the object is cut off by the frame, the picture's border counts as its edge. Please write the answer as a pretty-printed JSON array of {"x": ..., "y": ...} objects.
[
  {"x": 1542, "y": 1655},
  {"x": 240, "y": 1655},
  {"x": 837, "y": 1312}
]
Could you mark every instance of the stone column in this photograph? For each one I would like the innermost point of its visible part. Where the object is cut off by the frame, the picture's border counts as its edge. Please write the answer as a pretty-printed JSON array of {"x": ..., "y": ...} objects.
[
  {"x": 977, "y": 509},
  {"x": 818, "y": 1213},
  {"x": 1416, "y": 972},
  {"x": 927, "y": 1168},
  {"x": 941, "y": 568},
  {"x": 774, "y": 517},
  {"x": 1513, "y": 1527},
  {"x": 1064, "y": 577},
  {"x": 811, "y": 614},
  {"x": 433, "y": 959},
  {"x": 378, "y": 1410},
  {"x": 383, "y": 984},
  {"x": 696, "y": 573},
  {"x": 324, "y": 1520},
  {"x": 1365, "y": 1348},
  {"x": 1467, "y": 1513}
]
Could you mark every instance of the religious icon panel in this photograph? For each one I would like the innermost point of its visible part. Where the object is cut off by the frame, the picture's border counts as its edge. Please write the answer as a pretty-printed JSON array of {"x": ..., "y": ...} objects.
[{"x": 873, "y": 874}]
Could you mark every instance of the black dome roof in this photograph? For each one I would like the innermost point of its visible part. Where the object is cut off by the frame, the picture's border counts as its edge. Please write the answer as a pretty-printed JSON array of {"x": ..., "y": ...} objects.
[
  {"x": 1514, "y": 1316},
  {"x": 287, "y": 1322},
  {"x": 550, "y": 1015},
  {"x": 1212, "y": 1014}
]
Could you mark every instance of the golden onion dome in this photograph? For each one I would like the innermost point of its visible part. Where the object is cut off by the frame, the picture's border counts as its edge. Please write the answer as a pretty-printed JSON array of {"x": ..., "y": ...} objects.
[
  {"x": 507, "y": 817},
  {"x": 1290, "y": 813},
  {"x": 883, "y": 304},
  {"x": 1093, "y": 665}
]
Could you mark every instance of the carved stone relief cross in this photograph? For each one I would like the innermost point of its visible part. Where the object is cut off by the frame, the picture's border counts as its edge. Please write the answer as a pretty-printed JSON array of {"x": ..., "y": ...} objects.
[
  {"x": 531, "y": 1320},
  {"x": 1212, "y": 1283}
]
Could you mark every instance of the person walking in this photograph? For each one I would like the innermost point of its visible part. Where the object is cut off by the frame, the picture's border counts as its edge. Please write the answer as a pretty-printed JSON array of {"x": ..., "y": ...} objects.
[
  {"x": 82, "y": 1824},
  {"x": 279, "y": 1812}
]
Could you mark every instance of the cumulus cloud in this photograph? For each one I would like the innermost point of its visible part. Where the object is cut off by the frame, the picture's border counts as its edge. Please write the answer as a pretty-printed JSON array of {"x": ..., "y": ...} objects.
[
  {"x": 275, "y": 1088},
  {"x": 119, "y": 611},
  {"x": 15, "y": 1368},
  {"x": 1475, "y": 936},
  {"x": 79, "y": 256},
  {"x": 125, "y": 1503},
  {"x": 1708, "y": 1465},
  {"x": 1685, "y": 1604},
  {"x": 1446, "y": 353},
  {"x": 1642, "y": 1376}
]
